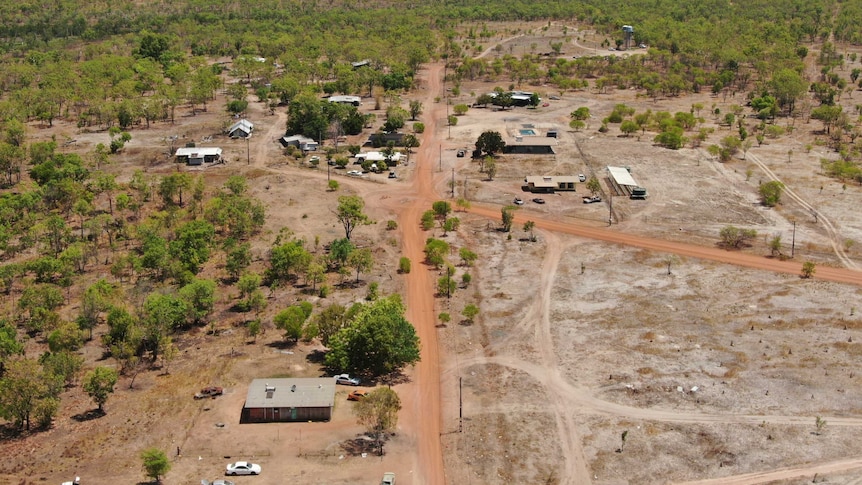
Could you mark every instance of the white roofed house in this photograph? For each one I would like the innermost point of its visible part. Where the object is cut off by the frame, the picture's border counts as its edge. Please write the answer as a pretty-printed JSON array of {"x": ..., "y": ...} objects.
[
  {"x": 354, "y": 100},
  {"x": 198, "y": 155},
  {"x": 303, "y": 143},
  {"x": 241, "y": 129}
]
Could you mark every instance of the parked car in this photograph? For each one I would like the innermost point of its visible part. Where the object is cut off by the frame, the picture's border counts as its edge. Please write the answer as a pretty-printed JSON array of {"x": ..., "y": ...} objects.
[
  {"x": 356, "y": 395},
  {"x": 392, "y": 175},
  {"x": 592, "y": 200},
  {"x": 355, "y": 173},
  {"x": 346, "y": 380},
  {"x": 211, "y": 391},
  {"x": 461, "y": 153},
  {"x": 219, "y": 481},
  {"x": 539, "y": 201},
  {"x": 388, "y": 479},
  {"x": 242, "y": 468},
  {"x": 557, "y": 98},
  {"x": 77, "y": 481},
  {"x": 314, "y": 159},
  {"x": 582, "y": 177},
  {"x": 518, "y": 201}
]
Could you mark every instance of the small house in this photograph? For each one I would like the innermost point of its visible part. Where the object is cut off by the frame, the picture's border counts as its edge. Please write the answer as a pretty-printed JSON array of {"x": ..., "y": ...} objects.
[
  {"x": 198, "y": 155},
  {"x": 351, "y": 100},
  {"x": 303, "y": 143},
  {"x": 548, "y": 184},
  {"x": 241, "y": 129},
  {"x": 289, "y": 400},
  {"x": 379, "y": 157}
]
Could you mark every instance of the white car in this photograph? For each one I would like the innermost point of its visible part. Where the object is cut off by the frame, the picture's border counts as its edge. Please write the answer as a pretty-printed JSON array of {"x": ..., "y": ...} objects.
[
  {"x": 220, "y": 481},
  {"x": 242, "y": 468},
  {"x": 582, "y": 177},
  {"x": 354, "y": 173},
  {"x": 346, "y": 380},
  {"x": 388, "y": 479}
]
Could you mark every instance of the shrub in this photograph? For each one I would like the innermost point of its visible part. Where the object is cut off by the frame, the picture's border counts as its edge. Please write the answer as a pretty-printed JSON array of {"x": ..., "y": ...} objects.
[
  {"x": 404, "y": 265},
  {"x": 418, "y": 127}
]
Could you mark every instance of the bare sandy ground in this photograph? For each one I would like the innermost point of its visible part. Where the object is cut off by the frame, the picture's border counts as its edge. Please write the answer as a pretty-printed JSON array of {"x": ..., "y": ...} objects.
[{"x": 715, "y": 371}]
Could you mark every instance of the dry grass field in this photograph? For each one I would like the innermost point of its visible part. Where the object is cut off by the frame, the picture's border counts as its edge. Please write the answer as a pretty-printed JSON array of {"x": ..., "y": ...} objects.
[{"x": 709, "y": 370}]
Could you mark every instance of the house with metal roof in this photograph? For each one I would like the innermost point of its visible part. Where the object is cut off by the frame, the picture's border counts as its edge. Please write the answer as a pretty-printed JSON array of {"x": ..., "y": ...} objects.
[
  {"x": 289, "y": 400},
  {"x": 198, "y": 155},
  {"x": 354, "y": 100},
  {"x": 550, "y": 183},
  {"x": 303, "y": 143},
  {"x": 241, "y": 129}
]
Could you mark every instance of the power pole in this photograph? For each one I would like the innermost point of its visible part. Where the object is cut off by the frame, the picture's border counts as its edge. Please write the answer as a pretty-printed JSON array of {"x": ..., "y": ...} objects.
[
  {"x": 793, "y": 241},
  {"x": 247, "y": 151},
  {"x": 440, "y": 166},
  {"x": 610, "y": 209}
]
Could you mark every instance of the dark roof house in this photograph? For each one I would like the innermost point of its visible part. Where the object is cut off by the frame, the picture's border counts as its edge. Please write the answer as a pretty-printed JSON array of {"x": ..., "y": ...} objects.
[{"x": 289, "y": 399}]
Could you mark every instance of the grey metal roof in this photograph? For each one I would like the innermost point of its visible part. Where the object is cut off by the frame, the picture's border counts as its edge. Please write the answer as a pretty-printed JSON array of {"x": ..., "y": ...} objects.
[
  {"x": 200, "y": 151},
  {"x": 622, "y": 176},
  {"x": 549, "y": 180},
  {"x": 300, "y": 392}
]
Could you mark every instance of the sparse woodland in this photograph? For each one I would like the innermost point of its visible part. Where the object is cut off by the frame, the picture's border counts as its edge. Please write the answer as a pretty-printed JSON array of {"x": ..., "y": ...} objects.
[{"x": 123, "y": 67}]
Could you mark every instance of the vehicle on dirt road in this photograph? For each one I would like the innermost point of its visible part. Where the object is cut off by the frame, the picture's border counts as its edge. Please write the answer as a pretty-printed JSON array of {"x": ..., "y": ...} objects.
[
  {"x": 211, "y": 391},
  {"x": 539, "y": 201},
  {"x": 357, "y": 395},
  {"x": 388, "y": 479},
  {"x": 518, "y": 201},
  {"x": 242, "y": 468},
  {"x": 592, "y": 200}
]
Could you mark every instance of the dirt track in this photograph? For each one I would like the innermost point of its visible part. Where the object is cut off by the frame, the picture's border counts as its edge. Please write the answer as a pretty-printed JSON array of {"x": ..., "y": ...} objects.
[
  {"x": 838, "y": 275},
  {"x": 422, "y": 401}
]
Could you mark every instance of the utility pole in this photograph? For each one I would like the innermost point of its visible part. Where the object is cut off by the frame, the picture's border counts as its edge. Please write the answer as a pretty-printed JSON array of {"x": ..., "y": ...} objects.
[
  {"x": 440, "y": 169},
  {"x": 460, "y": 407},
  {"x": 247, "y": 151},
  {"x": 793, "y": 241},
  {"x": 448, "y": 281},
  {"x": 610, "y": 209}
]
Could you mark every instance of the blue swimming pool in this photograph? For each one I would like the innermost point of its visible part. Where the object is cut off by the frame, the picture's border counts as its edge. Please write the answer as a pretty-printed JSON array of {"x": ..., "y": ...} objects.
[{"x": 528, "y": 132}]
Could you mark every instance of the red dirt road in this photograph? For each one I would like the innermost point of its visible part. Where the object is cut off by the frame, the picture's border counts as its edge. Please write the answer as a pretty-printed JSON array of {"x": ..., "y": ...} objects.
[
  {"x": 838, "y": 275},
  {"x": 421, "y": 400}
]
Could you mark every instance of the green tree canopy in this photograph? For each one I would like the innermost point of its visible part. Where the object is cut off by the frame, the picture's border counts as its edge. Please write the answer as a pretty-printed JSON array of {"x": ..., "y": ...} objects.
[
  {"x": 99, "y": 384},
  {"x": 490, "y": 142},
  {"x": 378, "y": 412},
  {"x": 350, "y": 213},
  {"x": 155, "y": 463},
  {"x": 377, "y": 341}
]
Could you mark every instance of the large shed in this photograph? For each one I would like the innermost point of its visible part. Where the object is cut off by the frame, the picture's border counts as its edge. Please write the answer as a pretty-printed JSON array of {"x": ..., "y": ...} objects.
[
  {"x": 198, "y": 155},
  {"x": 293, "y": 399},
  {"x": 623, "y": 182}
]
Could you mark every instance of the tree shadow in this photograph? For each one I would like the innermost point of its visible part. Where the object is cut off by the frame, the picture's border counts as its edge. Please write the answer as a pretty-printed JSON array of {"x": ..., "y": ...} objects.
[
  {"x": 282, "y": 344},
  {"x": 89, "y": 415},
  {"x": 316, "y": 356},
  {"x": 465, "y": 322}
]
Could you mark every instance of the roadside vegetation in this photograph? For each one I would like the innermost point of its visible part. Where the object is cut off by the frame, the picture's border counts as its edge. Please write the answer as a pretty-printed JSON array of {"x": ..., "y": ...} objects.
[{"x": 147, "y": 257}]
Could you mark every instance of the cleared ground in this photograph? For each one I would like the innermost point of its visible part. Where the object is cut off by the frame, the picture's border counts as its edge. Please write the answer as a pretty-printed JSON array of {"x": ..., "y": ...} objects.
[{"x": 712, "y": 371}]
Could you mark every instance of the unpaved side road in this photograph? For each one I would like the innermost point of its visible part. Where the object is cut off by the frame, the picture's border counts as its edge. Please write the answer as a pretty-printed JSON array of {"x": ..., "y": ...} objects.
[{"x": 421, "y": 398}]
